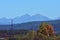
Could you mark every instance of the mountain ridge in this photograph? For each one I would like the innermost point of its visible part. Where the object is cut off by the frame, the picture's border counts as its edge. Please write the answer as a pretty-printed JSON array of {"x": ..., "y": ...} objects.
[{"x": 25, "y": 18}]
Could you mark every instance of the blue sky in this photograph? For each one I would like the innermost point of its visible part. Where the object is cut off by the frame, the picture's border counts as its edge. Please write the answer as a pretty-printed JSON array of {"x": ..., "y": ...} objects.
[{"x": 14, "y": 8}]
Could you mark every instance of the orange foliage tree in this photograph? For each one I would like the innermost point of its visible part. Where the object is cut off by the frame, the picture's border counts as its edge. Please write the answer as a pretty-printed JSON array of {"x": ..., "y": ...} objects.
[{"x": 46, "y": 29}]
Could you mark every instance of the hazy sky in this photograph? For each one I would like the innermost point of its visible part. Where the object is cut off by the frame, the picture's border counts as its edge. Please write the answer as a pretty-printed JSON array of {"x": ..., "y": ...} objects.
[{"x": 14, "y": 8}]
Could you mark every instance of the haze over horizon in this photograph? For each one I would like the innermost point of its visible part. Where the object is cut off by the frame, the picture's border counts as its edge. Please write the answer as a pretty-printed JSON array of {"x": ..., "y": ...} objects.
[{"x": 17, "y": 8}]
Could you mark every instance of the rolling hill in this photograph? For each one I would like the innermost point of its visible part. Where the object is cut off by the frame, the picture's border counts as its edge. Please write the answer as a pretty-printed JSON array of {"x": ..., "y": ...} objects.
[{"x": 34, "y": 25}]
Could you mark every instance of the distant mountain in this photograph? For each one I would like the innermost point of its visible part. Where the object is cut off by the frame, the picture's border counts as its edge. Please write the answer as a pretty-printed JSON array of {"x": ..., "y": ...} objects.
[
  {"x": 39, "y": 17},
  {"x": 32, "y": 25},
  {"x": 28, "y": 18},
  {"x": 4, "y": 21},
  {"x": 24, "y": 18},
  {"x": 58, "y": 18}
]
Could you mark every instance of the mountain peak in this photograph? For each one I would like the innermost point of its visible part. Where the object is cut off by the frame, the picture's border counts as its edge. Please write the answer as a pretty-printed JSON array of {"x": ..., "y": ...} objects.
[
  {"x": 26, "y": 15},
  {"x": 39, "y": 15}
]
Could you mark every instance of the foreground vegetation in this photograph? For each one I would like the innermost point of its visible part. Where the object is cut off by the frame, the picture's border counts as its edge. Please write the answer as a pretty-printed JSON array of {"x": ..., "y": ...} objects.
[
  {"x": 29, "y": 37},
  {"x": 45, "y": 32}
]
